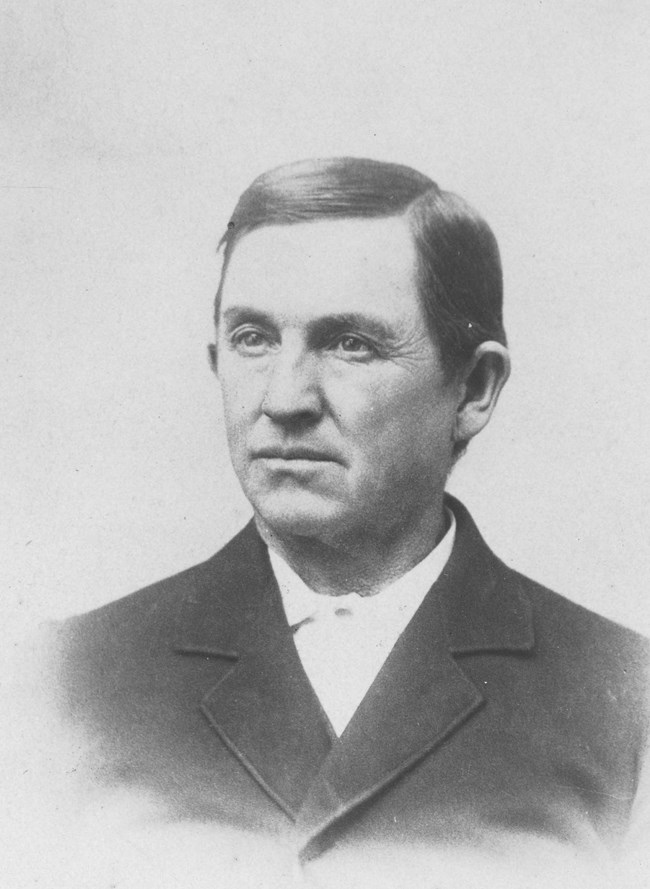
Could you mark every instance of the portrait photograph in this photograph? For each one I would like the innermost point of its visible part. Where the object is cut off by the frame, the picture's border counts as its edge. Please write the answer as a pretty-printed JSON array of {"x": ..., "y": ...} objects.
[{"x": 327, "y": 491}]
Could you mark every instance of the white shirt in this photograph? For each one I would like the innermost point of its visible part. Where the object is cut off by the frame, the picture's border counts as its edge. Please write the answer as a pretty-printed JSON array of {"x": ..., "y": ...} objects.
[{"x": 343, "y": 641}]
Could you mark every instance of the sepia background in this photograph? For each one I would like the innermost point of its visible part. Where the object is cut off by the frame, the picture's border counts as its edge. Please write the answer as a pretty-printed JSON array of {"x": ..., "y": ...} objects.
[{"x": 129, "y": 131}]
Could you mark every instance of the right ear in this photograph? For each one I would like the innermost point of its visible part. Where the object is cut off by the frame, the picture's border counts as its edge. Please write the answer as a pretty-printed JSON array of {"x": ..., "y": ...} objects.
[{"x": 212, "y": 358}]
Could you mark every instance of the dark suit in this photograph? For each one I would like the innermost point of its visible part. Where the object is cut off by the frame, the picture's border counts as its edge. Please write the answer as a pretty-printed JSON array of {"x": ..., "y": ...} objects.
[{"x": 504, "y": 708}]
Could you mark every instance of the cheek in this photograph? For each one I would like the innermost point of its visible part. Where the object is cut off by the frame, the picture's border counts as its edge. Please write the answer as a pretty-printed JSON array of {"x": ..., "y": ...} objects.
[
  {"x": 403, "y": 410},
  {"x": 241, "y": 395},
  {"x": 237, "y": 423},
  {"x": 400, "y": 429}
]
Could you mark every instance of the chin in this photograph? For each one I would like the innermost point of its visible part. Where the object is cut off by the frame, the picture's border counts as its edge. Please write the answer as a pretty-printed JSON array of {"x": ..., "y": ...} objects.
[{"x": 301, "y": 515}]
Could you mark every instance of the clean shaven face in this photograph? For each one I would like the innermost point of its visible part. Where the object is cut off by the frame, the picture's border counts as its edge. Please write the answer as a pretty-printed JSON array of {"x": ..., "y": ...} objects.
[{"x": 338, "y": 415}]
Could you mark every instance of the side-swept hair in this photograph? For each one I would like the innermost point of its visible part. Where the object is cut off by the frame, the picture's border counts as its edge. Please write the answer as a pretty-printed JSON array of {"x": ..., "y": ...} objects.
[{"x": 459, "y": 268}]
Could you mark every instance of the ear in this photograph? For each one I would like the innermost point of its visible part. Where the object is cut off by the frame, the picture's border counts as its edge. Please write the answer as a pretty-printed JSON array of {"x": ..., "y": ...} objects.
[
  {"x": 212, "y": 358},
  {"x": 481, "y": 383}
]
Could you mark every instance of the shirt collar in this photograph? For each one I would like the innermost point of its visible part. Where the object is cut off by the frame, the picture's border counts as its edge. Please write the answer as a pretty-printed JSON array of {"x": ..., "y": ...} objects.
[{"x": 395, "y": 604}]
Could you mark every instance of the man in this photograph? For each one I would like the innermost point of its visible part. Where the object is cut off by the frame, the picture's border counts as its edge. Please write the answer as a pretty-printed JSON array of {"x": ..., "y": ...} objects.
[{"x": 356, "y": 667}]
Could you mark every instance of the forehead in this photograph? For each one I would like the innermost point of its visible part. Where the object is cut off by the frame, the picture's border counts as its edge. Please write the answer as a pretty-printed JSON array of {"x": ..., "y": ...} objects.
[{"x": 327, "y": 266}]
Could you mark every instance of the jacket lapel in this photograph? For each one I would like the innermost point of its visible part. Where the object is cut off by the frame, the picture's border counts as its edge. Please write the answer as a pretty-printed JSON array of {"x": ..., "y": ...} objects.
[
  {"x": 264, "y": 708},
  {"x": 421, "y": 696},
  {"x": 267, "y": 714}
]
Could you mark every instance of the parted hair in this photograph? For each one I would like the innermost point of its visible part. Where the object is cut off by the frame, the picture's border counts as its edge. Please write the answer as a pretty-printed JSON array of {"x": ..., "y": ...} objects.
[{"x": 459, "y": 272}]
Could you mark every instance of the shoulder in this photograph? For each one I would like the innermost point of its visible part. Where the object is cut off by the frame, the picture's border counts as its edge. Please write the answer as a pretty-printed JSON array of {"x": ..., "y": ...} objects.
[
  {"x": 558, "y": 623},
  {"x": 136, "y": 635},
  {"x": 154, "y": 609},
  {"x": 591, "y": 668},
  {"x": 567, "y": 655},
  {"x": 562, "y": 623}
]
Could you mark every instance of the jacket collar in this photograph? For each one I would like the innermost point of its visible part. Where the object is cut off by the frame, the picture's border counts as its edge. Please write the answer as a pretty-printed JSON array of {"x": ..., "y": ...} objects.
[
  {"x": 484, "y": 604},
  {"x": 421, "y": 696},
  {"x": 266, "y": 712},
  {"x": 264, "y": 709}
]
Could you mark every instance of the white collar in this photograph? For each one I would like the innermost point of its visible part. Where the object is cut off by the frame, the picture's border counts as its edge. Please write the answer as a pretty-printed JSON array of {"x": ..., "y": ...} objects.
[
  {"x": 395, "y": 602},
  {"x": 343, "y": 641}
]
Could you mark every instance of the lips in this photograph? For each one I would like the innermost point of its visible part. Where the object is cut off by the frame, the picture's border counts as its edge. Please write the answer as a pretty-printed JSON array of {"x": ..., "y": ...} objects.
[{"x": 293, "y": 453}]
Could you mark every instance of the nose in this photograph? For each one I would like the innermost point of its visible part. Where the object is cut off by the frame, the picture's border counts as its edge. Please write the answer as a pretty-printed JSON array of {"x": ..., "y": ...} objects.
[{"x": 293, "y": 393}]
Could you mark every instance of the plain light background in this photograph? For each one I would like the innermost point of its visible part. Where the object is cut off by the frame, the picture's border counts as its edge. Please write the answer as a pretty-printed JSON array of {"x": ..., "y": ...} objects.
[{"x": 129, "y": 131}]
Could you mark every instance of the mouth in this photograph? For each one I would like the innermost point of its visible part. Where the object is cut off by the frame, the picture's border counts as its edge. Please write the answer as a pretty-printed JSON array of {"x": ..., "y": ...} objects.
[{"x": 294, "y": 453}]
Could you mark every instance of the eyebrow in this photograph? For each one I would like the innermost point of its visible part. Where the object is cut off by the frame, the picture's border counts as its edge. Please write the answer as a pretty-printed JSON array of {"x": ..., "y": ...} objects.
[
  {"x": 327, "y": 325},
  {"x": 238, "y": 314}
]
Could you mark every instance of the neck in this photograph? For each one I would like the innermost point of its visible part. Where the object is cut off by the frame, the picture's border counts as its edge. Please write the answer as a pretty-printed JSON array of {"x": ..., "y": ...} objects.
[{"x": 364, "y": 566}]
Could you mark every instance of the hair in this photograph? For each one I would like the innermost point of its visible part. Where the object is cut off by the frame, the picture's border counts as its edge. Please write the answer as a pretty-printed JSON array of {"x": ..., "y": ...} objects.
[{"x": 458, "y": 265}]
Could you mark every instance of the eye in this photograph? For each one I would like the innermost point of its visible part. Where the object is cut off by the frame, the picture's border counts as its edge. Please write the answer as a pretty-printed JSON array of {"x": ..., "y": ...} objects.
[
  {"x": 250, "y": 341},
  {"x": 352, "y": 346}
]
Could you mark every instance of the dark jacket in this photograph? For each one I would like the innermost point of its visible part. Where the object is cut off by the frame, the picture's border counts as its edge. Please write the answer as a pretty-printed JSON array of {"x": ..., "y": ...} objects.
[{"x": 503, "y": 708}]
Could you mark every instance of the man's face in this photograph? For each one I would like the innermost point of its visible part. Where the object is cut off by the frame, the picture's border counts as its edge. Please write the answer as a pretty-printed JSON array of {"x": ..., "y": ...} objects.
[{"x": 339, "y": 417}]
